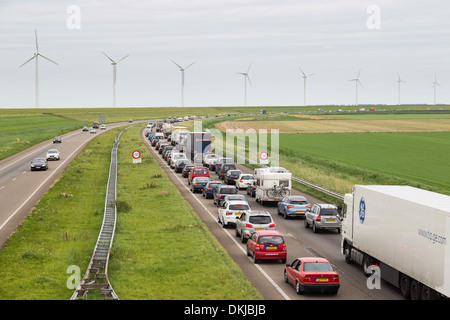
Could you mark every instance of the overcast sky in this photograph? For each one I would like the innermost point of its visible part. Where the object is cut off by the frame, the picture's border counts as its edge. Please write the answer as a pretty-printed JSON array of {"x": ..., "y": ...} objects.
[{"x": 332, "y": 39}]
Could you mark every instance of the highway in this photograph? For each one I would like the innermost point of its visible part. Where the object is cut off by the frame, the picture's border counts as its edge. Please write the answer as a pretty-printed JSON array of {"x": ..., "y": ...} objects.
[
  {"x": 21, "y": 188},
  {"x": 267, "y": 276}
]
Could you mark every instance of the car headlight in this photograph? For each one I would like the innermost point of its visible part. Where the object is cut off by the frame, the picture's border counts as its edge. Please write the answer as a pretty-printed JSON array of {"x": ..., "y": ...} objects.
[{"x": 32, "y": 165}]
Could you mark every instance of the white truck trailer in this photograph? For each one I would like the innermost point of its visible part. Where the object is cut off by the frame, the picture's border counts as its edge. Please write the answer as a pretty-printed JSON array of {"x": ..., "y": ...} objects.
[
  {"x": 404, "y": 232},
  {"x": 272, "y": 184}
]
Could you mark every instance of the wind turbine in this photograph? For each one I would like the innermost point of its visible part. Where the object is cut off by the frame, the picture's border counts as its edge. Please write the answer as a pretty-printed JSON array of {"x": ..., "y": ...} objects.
[
  {"x": 356, "y": 85},
  {"x": 182, "y": 80},
  {"x": 246, "y": 77},
  {"x": 434, "y": 84},
  {"x": 37, "y": 55},
  {"x": 304, "y": 84},
  {"x": 399, "y": 82},
  {"x": 114, "y": 64}
]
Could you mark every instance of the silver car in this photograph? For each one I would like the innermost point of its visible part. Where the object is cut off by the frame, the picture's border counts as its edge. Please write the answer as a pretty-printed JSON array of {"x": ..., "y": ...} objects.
[
  {"x": 52, "y": 154},
  {"x": 323, "y": 216},
  {"x": 252, "y": 221}
]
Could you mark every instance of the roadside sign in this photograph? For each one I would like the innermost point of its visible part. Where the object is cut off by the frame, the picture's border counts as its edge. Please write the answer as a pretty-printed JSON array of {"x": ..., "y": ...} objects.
[
  {"x": 136, "y": 154},
  {"x": 264, "y": 157},
  {"x": 139, "y": 160}
]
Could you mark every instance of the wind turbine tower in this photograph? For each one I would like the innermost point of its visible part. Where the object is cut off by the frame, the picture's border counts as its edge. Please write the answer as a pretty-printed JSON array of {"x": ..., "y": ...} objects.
[
  {"x": 246, "y": 77},
  {"x": 304, "y": 85},
  {"x": 182, "y": 80},
  {"x": 36, "y": 56},
  {"x": 356, "y": 85},
  {"x": 435, "y": 83},
  {"x": 114, "y": 64},
  {"x": 399, "y": 82}
]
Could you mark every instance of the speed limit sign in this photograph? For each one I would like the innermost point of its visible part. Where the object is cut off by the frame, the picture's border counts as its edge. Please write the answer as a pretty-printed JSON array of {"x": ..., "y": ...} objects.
[
  {"x": 136, "y": 154},
  {"x": 264, "y": 158}
]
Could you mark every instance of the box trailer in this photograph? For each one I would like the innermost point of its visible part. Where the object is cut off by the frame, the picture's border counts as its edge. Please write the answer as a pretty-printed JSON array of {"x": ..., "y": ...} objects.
[
  {"x": 272, "y": 184},
  {"x": 198, "y": 142},
  {"x": 403, "y": 231}
]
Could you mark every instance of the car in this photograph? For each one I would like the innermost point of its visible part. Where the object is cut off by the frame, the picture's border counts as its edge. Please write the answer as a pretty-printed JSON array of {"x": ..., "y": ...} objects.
[
  {"x": 221, "y": 191},
  {"x": 57, "y": 140},
  {"x": 235, "y": 197},
  {"x": 208, "y": 158},
  {"x": 39, "y": 164},
  {"x": 323, "y": 216},
  {"x": 251, "y": 189},
  {"x": 52, "y": 154},
  {"x": 223, "y": 170},
  {"x": 254, "y": 220},
  {"x": 231, "y": 176},
  {"x": 198, "y": 183},
  {"x": 208, "y": 190},
  {"x": 176, "y": 156},
  {"x": 187, "y": 168},
  {"x": 180, "y": 164},
  {"x": 293, "y": 206},
  {"x": 266, "y": 245},
  {"x": 229, "y": 211},
  {"x": 130, "y": 121},
  {"x": 103, "y": 127},
  {"x": 244, "y": 180},
  {"x": 198, "y": 172},
  {"x": 222, "y": 160},
  {"x": 198, "y": 158},
  {"x": 312, "y": 274},
  {"x": 93, "y": 131},
  {"x": 85, "y": 129}
]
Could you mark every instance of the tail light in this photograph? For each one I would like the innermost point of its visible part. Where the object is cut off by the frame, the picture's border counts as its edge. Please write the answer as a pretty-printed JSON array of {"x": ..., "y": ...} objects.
[
  {"x": 229, "y": 213},
  {"x": 247, "y": 225},
  {"x": 334, "y": 279},
  {"x": 195, "y": 184},
  {"x": 272, "y": 225},
  {"x": 308, "y": 279},
  {"x": 308, "y": 206},
  {"x": 289, "y": 206},
  {"x": 318, "y": 219},
  {"x": 241, "y": 180},
  {"x": 283, "y": 246}
]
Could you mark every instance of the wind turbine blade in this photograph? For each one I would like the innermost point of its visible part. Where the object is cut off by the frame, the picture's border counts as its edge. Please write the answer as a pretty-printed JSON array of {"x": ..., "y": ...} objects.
[
  {"x": 360, "y": 83},
  {"x": 249, "y": 80},
  {"x": 177, "y": 65},
  {"x": 249, "y": 67},
  {"x": 189, "y": 65},
  {"x": 358, "y": 74},
  {"x": 304, "y": 75},
  {"x": 310, "y": 75},
  {"x": 35, "y": 36},
  {"x": 109, "y": 57},
  {"x": 48, "y": 59},
  {"x": 122, "y": 58},
  {"x": 28, "y": 60}
]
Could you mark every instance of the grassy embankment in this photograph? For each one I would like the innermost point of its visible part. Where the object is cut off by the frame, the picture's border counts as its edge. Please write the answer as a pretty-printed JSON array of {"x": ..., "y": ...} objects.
[{"x": 161, "y": 249}]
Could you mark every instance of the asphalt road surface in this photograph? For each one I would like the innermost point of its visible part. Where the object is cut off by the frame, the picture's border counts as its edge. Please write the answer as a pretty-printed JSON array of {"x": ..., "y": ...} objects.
[
  {"x": 267, "y": 276},
  {"x": 21, "y": 188}
]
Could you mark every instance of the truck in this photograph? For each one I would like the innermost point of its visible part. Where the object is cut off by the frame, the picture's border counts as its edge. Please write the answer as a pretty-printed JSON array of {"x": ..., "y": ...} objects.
[
  {"x": 272, "y": 184},
  {"x": 400, "y": 233},
  {"x": 198, "y": 143},
  {"x": 166, "y": 129},
  {"x": 177, "y": 134},
  {"x": 95, "y": 124}
]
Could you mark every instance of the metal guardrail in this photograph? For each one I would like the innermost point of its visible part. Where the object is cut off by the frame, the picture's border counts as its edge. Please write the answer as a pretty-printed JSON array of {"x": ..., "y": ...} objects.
[{"x": 96, "y": 277}]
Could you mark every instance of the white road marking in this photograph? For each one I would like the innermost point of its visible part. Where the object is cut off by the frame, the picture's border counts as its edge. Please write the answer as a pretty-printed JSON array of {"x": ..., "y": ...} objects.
[{"x": 285, "y": 296}]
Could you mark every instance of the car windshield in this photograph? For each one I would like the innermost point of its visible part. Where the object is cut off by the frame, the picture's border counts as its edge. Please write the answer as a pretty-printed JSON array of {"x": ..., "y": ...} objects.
[
  {"x": 235, "y": 173},
  {"x": 260, "y": 219},
  {"x": 317, "y": 266},
  {"x": 39, "y": 160},
  {"x": 329, "y": 212},
  {"x": 214, "y": 185},
  {"x": 238, "y": 207},
  {"x": 52, "y": 151},
  {"x": 228, "y": 191},
  {"x": 201, "y": 180},
  {"x": 247, "y": 177},
  {"x": 271, "y": 240},
  {"x": 200, "y": 171}
]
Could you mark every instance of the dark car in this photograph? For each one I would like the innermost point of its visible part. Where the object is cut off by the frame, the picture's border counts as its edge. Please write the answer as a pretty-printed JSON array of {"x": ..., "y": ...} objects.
[
  {"x": 221, "y": 191},
  {"x": 231, "y": 176},
  {"x": 180, "y": 164},
  {"x": 39, "y": 164},
  {"x": 224, "y": 169},
  {"x": 198, "y": 184},
  {"x": 57, "y": 140},
  {"x": 251, "y": 189},
  {"x": 208, "y": 190},
  {"x": 187, "y": 168}
]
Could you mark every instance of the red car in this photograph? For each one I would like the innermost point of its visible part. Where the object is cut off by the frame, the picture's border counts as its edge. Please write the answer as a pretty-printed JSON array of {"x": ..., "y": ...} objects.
[
  {"x": 198, "y": 172},
  {"x": 312, "y": 274},
  {"x": 266, "y": 245}
]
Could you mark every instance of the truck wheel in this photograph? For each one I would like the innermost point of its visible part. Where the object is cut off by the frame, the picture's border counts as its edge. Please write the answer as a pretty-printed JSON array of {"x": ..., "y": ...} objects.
[
  {"x": 415, "y": 291},
  {"x": 367, "y": 262},
  {"x": 347, "y": 255},
  {"x": 405, "y": 285}
]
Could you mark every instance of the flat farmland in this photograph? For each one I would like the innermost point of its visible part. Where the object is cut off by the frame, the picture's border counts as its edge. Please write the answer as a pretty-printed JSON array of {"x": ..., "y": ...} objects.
[{"x": 338, "y": 151}]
